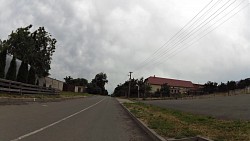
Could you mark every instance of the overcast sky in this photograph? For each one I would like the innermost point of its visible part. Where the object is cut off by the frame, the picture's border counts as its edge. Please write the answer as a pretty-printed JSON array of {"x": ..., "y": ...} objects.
[{"x": 116, "y": 36}]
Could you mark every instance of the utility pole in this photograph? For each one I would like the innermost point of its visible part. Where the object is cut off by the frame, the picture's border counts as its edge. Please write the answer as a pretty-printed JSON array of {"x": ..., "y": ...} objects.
[{"x": 129, "y": 84}]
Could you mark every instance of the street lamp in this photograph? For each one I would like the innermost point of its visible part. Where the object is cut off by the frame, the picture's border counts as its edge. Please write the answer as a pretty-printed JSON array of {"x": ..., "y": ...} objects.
[{"x": 138, "y": 91}]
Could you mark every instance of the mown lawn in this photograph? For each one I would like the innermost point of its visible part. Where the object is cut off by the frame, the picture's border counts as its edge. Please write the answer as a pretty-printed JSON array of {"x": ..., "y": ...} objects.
[{"x": 177, "y": 124}]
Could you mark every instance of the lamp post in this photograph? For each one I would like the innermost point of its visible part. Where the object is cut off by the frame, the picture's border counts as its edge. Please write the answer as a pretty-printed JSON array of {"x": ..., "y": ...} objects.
[{"x": 138, "y": 91}]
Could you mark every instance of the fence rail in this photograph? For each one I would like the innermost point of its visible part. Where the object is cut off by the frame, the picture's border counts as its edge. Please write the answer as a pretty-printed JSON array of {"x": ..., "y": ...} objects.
[{"x": 22, "y": 88}]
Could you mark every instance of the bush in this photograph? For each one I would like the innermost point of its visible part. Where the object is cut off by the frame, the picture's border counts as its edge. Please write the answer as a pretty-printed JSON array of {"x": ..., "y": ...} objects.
[
  {"x": 23, "y": 73},
  {"x": 2, "y": 63},
  {"x": 11, "y": 74},
  {"x": 31, "y": 76}
]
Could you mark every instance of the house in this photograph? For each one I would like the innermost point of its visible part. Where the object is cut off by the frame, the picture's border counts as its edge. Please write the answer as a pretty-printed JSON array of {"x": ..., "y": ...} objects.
[
  {"x": 176, "y": 86},
  {"x": 51, "y": 83},
  {"x": 74, "y": 88}
]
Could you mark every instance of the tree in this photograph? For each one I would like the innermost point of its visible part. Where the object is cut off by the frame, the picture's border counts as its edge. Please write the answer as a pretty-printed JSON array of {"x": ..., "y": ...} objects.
[
  {"x": 22, "y": 74},
  {"x": 231, "y": 85},
  {"x": 99, "y": 81},
  {"x": 68, "y": 79},
  {"x": 31, "y": 76},
  {"x": 210, "y": 87},
  {"x": 43, "y": 51},
  {"x": 76, "y": 82},
  {"x": 93, "y": 89},
  {"x": 11, "y": 74},
  {"x": 3, "y": 52},
  {"x": 34, "y": 48},
  {"x": 222, "y": 87},
  {"x": 165, "y": 90}
]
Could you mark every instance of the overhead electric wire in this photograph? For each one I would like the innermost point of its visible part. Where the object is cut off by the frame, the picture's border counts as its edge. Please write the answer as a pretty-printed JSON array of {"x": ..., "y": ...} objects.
[
  {"x": 200, "y": 26},
  {"x": 173, "y": 37},
  {"x": 196, "y": 29},
  {"x": 176, "y": 51},
  {"x": 204, "y": 14},
  {"x": 188, "y": 34}
]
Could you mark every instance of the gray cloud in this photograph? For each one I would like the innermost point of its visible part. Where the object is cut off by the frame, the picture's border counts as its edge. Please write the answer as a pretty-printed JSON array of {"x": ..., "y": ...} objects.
[{"x": 115, "y": 36}]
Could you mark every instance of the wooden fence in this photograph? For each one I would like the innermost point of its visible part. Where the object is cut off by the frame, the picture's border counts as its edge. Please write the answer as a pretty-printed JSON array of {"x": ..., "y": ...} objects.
[{"x": 22, "y": 88}]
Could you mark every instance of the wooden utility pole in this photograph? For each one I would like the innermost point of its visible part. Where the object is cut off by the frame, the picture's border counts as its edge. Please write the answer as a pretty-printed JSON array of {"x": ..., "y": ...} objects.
[{"x": 129, "y": 84}]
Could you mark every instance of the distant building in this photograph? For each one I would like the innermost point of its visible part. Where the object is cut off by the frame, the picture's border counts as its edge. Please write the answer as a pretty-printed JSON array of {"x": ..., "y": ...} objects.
[
  {"x": 51, "y": 83},
  {"x": 80, "y": 89},
  {"x": 74, "y": 88},
  {"x": 176, "y": 86}
]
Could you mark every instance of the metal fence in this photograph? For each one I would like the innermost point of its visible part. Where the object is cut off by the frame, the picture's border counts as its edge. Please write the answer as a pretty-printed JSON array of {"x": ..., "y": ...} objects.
[{"x": 22, "y": 88}]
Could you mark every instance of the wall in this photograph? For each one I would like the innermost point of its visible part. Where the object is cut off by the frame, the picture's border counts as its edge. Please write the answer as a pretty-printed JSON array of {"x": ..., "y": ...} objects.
[{"x": 50, "y": 82}]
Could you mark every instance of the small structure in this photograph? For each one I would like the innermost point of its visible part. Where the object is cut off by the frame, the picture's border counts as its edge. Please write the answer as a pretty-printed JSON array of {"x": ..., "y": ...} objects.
[
  {"x": 73, "y": 88},
  {"x": 80, "y": 89},
  {"x": 176, "y": 86},
  {"x": 51, "y": 83}
]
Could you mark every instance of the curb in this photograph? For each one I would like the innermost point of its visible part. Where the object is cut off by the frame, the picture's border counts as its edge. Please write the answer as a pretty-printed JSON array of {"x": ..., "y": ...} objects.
[
  {"x": 157, "y": 137},
  {"x": 143, "y": 126}
]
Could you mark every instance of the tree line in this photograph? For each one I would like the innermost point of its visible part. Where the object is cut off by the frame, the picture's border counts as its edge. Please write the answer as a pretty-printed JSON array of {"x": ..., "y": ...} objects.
[
  {"x": 122, "y": 89},
  {"x": 34, "y": 49},
  {"x": 96, "y": 86},
  {"x": 212, "y": 87}
]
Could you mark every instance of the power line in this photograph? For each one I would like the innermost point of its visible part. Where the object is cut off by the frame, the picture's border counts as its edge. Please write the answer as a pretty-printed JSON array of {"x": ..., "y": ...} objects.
[
  {"x": 176, "y": 34},
  {"x": 182, "y": 40},
  {"x": 177, "y": 51},
  {"x": 190, "y": 33}
]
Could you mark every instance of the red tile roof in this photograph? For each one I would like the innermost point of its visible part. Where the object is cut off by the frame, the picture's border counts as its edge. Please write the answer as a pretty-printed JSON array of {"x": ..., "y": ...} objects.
[{"x": 171, "y": 82}]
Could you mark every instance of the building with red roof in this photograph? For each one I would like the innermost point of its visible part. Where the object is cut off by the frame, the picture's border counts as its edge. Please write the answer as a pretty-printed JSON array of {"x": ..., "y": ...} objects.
[{"x": 176, "y": 86}]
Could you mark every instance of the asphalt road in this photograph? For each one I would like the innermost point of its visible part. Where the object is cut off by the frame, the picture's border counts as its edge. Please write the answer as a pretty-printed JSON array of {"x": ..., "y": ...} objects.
[
  {"x": 230, "y": 107},
  {"x": 94, "y": 118}
]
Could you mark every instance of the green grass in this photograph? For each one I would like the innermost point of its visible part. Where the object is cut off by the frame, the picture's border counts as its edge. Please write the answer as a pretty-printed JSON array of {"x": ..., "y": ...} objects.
[
  {"x": 44, "y": 96},
  {"x": 73, "y": 94},
  {"x": 177, "y": 124}
]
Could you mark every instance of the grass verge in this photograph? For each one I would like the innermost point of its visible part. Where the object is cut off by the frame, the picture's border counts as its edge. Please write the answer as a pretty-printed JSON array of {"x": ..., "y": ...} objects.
[
  {"x": 44, "y": 96},
  {"x": 176, "y": 124}
]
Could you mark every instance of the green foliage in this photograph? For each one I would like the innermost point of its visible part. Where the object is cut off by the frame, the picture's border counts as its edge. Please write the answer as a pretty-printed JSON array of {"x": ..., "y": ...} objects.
[
  {"x": 93, "y": 89},
  {"x": 34, "y": 48},
  {"x": 165, "y": 90},
  {"x": 176, "y": 124},
  {"x": 22, "y": 74},
  {"x": 97, "y": 85},
  {"x": 31, "y": 76},
  {"x": 3, "y": 53},
  {"x": 11, "y": 74},
  {"x": 76, "y": 82},
  {"x": 122, "y": 89},
  {"x": 231, "y": 85},
  {"x": 210, "y": 87}
]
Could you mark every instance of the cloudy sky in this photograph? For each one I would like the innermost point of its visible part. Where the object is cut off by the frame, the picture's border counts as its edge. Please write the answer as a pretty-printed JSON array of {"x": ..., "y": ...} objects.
[{"x": 118, "y": 36}]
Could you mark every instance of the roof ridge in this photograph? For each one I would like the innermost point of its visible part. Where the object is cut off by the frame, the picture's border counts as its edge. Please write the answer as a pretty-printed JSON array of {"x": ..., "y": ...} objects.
[{"x": 170, "y": 79}]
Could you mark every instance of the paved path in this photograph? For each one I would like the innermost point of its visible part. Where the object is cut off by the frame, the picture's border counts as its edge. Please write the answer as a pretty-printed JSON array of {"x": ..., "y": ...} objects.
[
  {"x": 94, "y": 118},
  {"x": 231, "y": 107}
]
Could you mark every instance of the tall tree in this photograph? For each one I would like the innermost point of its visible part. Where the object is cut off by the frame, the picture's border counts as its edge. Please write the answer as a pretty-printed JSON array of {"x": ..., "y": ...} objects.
[
  {"x": 22, "y": 74},
  {"x": 43, "y": 51},
  {"x": 31, "y": 76},
  {"x": 100, "y": 80},
  {"x": 11, "y": 74},
  {"x": 3, "y": 52},
  {"x": 165, "y": 90},
  {"x": 34, "y": 48}
]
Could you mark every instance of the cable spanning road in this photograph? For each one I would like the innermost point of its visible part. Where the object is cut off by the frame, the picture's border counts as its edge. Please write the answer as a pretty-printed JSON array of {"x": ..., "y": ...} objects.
[{"x": 91, "y": 119}]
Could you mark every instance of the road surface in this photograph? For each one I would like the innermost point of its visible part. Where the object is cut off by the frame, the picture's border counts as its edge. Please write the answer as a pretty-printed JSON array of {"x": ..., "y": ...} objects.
[
  {"x": 230, "y": 107},
  {"x": 95, "y": 118}
]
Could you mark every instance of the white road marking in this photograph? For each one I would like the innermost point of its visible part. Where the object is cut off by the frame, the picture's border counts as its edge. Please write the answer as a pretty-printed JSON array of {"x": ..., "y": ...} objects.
[{"x": 52, "y": 124}]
